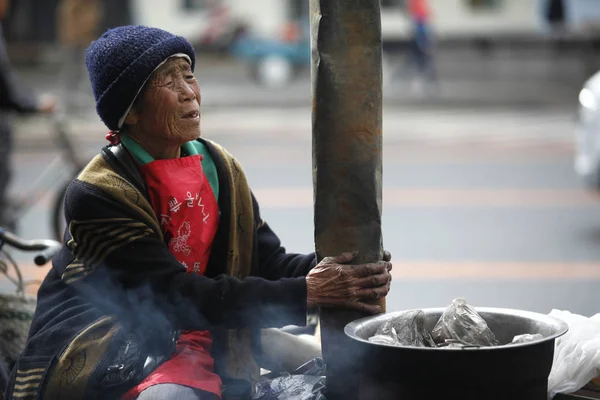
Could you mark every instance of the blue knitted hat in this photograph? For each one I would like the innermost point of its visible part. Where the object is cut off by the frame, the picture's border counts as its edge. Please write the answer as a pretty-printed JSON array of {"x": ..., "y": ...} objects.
[{"x": 120, "y": 62}]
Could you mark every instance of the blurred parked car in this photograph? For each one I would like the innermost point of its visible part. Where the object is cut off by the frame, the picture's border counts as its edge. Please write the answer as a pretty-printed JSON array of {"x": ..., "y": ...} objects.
[
  {"x": 587, "y": 160},
  {"x": 275, "y": 62}
]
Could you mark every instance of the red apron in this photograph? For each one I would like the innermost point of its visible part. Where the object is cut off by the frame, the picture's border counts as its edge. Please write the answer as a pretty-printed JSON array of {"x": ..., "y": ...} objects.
[{"x": 189, "y": 216}]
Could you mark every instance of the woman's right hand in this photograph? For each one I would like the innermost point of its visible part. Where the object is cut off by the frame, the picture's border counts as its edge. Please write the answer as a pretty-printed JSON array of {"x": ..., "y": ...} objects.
[{"x": 334, "y": 283}]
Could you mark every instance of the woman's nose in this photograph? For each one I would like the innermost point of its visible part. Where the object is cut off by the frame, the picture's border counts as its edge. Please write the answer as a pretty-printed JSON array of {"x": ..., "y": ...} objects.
[{"x": 186, "y": 93}]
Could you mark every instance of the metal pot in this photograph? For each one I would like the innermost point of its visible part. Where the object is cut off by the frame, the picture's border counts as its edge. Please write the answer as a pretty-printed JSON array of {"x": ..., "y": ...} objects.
[{"x": 505, "y": 372}]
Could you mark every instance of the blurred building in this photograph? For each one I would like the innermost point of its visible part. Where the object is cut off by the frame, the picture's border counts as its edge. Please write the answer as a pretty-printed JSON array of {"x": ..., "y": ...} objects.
[
  {"x": 452, "y": 18},
  {"x": 191, "y": 17},
  {"x": 34, "y": 20}
]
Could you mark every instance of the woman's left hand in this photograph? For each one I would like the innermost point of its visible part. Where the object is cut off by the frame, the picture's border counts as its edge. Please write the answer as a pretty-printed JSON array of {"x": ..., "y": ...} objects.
[
  {"x": 334, "y": 282},
  {"x": 387, "y": 256}
]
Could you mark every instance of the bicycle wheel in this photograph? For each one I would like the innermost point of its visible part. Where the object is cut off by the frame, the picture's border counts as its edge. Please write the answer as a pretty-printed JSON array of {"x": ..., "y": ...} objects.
[{"x": 58, "y": 215}]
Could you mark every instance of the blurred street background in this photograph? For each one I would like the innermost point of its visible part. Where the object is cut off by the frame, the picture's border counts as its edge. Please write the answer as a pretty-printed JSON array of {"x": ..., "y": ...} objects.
[{"x": 482, "y": 199}]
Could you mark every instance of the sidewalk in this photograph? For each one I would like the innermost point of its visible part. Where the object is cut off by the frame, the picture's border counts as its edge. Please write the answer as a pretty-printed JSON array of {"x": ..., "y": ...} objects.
[
  {"x": 227, "y": 87},
  {"x": 400, "y": 124},
  {"x": 226, "y": 83}
]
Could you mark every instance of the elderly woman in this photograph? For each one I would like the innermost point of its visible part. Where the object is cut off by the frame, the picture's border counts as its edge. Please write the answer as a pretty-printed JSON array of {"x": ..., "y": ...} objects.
[{"x": 168, "y": 272}]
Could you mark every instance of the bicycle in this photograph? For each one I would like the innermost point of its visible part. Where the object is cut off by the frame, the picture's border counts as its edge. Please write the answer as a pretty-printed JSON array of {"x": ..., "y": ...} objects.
[
  {"x": 63, "y": 168},
  {"x": 16, "y": 310}
]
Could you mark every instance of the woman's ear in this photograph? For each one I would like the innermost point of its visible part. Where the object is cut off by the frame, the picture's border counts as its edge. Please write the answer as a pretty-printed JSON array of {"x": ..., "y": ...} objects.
[{"x": 132, "y": 117}]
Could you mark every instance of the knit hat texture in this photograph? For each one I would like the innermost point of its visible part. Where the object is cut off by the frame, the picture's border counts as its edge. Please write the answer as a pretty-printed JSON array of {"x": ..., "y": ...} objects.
[{"x": 122, "y": 59}]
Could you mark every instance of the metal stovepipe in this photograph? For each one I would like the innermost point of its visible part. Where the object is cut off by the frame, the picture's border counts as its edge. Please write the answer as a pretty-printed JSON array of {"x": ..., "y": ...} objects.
[{"x": 347, "y": 158}]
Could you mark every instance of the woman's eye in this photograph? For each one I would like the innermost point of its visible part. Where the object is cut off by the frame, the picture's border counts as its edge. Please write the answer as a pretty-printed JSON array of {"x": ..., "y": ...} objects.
[{"x": 190, "y": 77}]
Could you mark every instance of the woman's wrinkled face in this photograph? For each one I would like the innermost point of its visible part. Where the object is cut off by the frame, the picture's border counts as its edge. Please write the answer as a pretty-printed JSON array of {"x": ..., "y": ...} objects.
[{"x": 168, "y": 109}]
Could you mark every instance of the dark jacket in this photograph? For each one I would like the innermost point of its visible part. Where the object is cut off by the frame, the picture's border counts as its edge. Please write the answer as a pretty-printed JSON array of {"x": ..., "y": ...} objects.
[
  {"x": 116, "y": 297},
  {"x": 11, "y": 97},
  {"x": 555, "y": 12}
]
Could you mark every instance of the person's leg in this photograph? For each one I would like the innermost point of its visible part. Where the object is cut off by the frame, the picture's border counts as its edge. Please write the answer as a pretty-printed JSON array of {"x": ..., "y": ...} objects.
[
  {"x": 173, "y": 391},
  {"x": 421, "y": 47},
  {"x": 71, "y": 76},
  {"x": 410, "y": 68},
  {"x": 83, "y": 83},
  {"x": 428, "y": 60},
  {"x": 5, "y": 173},
  {"x": 4, "y": 376}
]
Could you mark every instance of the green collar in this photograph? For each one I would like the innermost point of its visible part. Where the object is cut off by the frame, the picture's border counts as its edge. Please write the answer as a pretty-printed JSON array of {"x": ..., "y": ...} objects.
[
  {"x": 192, "y": 148},
  {"x": 143, "y": 157}
]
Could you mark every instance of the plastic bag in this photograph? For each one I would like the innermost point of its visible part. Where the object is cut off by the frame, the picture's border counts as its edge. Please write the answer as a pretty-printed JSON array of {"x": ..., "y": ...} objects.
[
  {"x": 577, "y": 354},
  {"x": 291, "y": 387},
  {"x": 305, "y": 383},
  {"x": 407, "y": 329},
  {"x": 385, "y": 340},
  {"x": 526, "y": 338},
  {"x": 460, "y": 325}
]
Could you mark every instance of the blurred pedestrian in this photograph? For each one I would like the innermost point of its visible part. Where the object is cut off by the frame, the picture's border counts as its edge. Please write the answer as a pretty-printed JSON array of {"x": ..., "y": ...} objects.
[
  {"x": 12, "y": 98},
  {"x": 421, "y": 49},
  {"x": 555, "y": 14},
  {"x": 79, "y": 22}
]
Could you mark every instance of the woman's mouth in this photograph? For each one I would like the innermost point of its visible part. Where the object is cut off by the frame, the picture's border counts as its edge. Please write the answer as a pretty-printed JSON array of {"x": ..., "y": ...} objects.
[{"x": 191, "y": 115}]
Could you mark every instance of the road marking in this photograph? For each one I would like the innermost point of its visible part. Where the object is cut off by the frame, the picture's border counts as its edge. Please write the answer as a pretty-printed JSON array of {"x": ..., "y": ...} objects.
[
  {"x": 282, "y": 156},
  {"x": 486, "y": 270},
  {"x": 434, "y": 197}
]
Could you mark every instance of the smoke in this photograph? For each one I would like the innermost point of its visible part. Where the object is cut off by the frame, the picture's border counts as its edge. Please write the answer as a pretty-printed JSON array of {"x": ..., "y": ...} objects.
[
  {"x": 152, "y": 309},
  {"x": 149, "y": 310}
]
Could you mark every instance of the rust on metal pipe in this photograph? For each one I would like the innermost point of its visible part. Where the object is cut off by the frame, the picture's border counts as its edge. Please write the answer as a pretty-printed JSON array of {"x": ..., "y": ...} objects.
[{"x": 347, "y": 158}]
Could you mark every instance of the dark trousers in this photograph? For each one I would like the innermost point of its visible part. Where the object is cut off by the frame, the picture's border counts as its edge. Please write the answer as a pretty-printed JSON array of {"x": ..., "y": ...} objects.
[
  {"x": 4, "y": 372},
  {"x": 421, "y": 48},
  {"x": 5, "y": 164}
]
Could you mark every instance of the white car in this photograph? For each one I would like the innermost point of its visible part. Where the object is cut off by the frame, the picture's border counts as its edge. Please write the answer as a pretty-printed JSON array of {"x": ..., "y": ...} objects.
[{"x": 587, "y": 160}]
